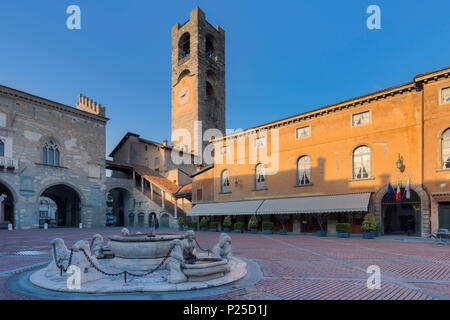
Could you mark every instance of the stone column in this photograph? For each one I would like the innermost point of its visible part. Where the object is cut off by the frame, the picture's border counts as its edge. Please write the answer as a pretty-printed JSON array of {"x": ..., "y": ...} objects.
[
  {"x": 163, "y": 195},
  {"x": 175, "y": 200},
  {"x": 142, "y": 184},
  {"x": 151, "y": 191},
  {"x": 2, "y": 207}
]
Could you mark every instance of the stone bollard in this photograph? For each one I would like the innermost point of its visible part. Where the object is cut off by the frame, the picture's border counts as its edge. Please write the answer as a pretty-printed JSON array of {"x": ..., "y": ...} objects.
[
  {"x": 45, "y": 226},
  {"x": 10, "y": 226},
  {"x": 81, "y": 225}
]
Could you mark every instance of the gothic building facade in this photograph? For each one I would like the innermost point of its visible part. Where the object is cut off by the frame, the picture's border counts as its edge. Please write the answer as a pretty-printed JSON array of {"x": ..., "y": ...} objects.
[{"x": 50, "y": 150}]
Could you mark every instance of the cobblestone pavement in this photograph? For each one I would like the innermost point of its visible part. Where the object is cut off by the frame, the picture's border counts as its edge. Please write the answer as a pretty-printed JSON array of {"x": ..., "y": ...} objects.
[{"x": 293, "y": 267}]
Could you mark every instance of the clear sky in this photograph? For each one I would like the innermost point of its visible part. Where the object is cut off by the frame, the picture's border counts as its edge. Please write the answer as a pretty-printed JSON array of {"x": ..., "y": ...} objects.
[{"x": 283, "y": 57}]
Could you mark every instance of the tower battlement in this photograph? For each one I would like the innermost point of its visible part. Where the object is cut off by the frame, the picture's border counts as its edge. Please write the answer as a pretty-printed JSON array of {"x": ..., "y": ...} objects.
[{"x": 89, "y": 105}]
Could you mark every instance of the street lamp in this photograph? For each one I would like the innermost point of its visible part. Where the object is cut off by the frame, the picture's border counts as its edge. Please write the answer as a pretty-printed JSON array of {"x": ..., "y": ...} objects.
[{"x": 399, "y": 163}]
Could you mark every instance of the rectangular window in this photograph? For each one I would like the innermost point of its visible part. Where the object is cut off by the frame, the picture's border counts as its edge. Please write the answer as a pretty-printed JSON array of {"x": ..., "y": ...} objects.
[
  {"x": 359, "y": 119},
  {"x": 199, "y": 194},
  {"x": 2, "y": 119},
  {"x": 302, "y": 132},
  {"x": 224, "y": 150},
  {"x": 445, "y": 95},
  {"x": 259, "y": 142}
]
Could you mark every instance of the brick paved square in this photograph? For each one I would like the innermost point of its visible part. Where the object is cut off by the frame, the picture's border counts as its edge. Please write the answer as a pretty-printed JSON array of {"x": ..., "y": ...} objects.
[{"x": 291, "y": 267}]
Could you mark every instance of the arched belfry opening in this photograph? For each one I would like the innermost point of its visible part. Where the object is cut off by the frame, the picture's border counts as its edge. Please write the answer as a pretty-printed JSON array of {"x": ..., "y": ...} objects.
[
  {"x": 184, "y": 46},
  {"x": 210, "y": 47},
  {"x": 68, "y": 205}
]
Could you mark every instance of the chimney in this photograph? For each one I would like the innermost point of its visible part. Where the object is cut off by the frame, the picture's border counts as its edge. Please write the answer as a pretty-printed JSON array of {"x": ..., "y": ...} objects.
[{"x": 165, "y": 143}]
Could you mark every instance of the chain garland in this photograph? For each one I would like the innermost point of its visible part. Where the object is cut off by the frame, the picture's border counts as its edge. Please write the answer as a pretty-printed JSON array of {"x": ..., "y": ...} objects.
[
  {"x": 204, "y": 250},
  {"x": 124, "y": 273}
]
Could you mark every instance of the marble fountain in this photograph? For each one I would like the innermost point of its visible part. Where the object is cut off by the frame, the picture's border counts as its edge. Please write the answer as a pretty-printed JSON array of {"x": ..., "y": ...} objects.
[{"x": 139, "y": 263}]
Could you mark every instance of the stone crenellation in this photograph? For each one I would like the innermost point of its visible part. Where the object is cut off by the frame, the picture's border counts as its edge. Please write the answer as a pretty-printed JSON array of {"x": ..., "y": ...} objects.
[{"x": 89, "y": 105}]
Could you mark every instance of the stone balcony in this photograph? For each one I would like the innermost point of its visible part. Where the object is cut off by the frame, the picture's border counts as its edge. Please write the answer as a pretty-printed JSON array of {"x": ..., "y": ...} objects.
[{"x": 9, "y": 163}]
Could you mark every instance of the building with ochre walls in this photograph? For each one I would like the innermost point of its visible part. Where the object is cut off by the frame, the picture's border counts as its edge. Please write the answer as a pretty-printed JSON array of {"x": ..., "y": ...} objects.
[{"x": 338, "y": 160}]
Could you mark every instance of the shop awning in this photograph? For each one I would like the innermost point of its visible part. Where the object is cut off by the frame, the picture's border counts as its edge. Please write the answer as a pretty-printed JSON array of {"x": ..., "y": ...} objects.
[
  {"x": 357, "y": 202},
  {"x": 225, "y": 208}
]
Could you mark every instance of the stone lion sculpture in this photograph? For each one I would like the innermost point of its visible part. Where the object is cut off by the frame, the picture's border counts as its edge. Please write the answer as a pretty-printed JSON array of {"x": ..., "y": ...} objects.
[
  {"x": 188, "y": 245},
  {"x": 97, "y": 246},
  {"x": 87, "y": 266},
  {"x": 62, "y": 255},
  {"x": 223, "y": 250},
  {"x": 125, "y": 232},
  {"x": 174, "y": 263}
]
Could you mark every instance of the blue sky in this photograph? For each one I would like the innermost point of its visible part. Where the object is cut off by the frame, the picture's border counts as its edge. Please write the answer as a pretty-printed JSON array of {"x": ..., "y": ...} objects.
[{"x": 283, "y": 57}]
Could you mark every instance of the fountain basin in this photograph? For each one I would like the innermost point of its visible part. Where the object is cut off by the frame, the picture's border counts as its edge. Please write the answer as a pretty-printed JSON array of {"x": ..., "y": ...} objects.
[
  {"x": 139, "y": 252},
  {"x": 205, "y": 269}
]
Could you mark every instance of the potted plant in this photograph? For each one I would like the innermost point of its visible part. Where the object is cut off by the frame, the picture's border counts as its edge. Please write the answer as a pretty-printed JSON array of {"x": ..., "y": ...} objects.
[
  {"x": 267, "y": 227},
  {"x": 192, "y": 225},
  {"x": 213, "y": 226},
  {"x": 320, "y": 219},
  {"x": 283, "y": 219},
  {"x": 239, "y": 227},
  {"x": 253, "y": 224},
  {"x": 343, "y": 230},
  {"x": 203, "y": 223},
  {"x": 369, "y": 226},
  {"x": 226, "y": 224},
  {"x": 180, "y": 224}
]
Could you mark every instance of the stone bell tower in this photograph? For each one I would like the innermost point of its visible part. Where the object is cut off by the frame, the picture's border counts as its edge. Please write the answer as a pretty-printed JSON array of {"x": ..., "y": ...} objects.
[{"x": 198, "y": 79}]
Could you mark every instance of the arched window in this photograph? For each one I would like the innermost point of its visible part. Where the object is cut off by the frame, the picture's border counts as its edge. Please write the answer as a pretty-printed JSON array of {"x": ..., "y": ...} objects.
[
  {"x": 260, "y": 177},
  {"x": 2, "y": 148},
  {"x": 51, "y": 154},
  {"x": 225, "y": 181},
  {"x": 131, "y": 219},
  {"x": 445, "y": 145},
  {"x": 304, "y": 171},
  {"x": 361, "y": 163},
  {"x": 184, "y": 46},
  {"x": 209, "y": 47},
  {"x": 209, "y": 89}
]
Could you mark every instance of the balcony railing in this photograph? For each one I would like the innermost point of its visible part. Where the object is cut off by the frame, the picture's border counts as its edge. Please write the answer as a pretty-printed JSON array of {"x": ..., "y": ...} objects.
[{"x": 9, "y": 163}]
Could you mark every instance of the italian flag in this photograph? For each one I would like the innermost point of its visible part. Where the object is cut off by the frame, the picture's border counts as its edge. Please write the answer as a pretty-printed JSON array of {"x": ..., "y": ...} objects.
[{"x": 397, "y": 195}]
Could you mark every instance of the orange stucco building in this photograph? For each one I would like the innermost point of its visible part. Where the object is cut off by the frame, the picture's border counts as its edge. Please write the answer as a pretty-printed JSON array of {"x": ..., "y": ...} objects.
[{"x": 355, "y": 147}]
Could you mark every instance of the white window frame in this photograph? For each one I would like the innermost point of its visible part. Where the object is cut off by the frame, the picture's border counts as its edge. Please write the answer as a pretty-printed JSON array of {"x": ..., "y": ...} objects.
[
  {"x": 441, "y": 90},
  {"x": 260, "y": 185},
  {"x": 224, "y": 149},
  {"x": 360, "y": 112},
  {"x": 262, "y": 138},
  {"x": 225, "y": 188},
  {"x": 368, "y": 169},
  {"x": 444, "y": 154},
  {"x": 302, "y": 127},
  {"x": 307, "y": 171}
]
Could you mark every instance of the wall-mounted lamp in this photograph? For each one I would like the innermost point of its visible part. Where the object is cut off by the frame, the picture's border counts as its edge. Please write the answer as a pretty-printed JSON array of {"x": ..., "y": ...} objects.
[
  {"x": 236, "y": 182},
  {"x": 399, "y": 163}
]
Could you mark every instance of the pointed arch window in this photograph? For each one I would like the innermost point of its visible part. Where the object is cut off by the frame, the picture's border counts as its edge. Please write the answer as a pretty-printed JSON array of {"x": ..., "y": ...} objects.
[
  {"x": 445, "y": 145},
  {"x": 2, "y": 148},
  {"x": 260, "y": 177},
  {"x": 304, "y": 171},
  {"x": 361, "y": 163},
  {"x": 51, "y": 154},
  {"x": 225, "y": 181}
]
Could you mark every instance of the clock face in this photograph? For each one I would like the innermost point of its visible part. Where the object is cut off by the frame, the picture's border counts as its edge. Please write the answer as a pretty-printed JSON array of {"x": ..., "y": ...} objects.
[{"x": 183, "y": 95}]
